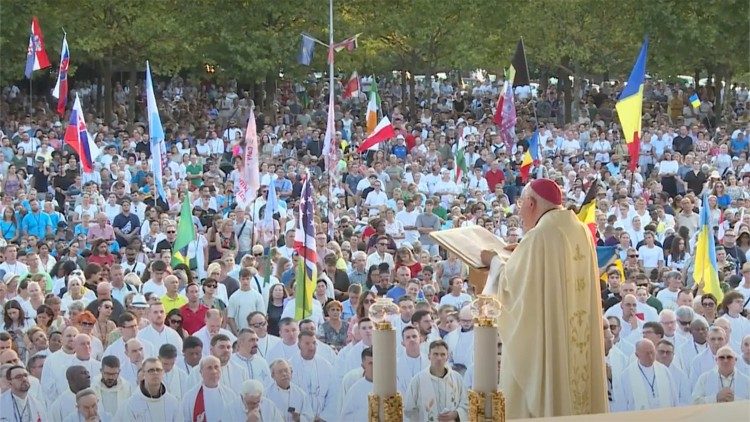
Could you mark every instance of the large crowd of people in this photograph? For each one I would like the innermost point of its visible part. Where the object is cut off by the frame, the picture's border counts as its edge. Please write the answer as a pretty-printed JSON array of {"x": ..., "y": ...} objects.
[{"x": 100, "y": 323}]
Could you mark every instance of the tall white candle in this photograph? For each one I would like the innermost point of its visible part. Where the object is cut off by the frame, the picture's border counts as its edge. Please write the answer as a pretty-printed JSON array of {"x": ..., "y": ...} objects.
[
  {"x": 485, "y": 363},
  {"x": 384, "y": 362}
]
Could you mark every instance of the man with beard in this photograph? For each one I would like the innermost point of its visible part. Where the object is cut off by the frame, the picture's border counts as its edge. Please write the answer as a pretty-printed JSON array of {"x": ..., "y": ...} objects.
[
  {"x": 17, "y": 401},
  {"x": 247, "y": 356},
  {"x": 110, "y": 388}
]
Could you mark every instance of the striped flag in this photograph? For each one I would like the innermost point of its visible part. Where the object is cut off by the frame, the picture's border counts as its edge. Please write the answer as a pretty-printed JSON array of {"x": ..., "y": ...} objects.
[
  {"x": 78, "y": 137},
  {"x": 36, "y": 55},
  {"x": 304, "y": 245},
  {"x": 630, "y": 106},
  {"x": 61, "y": 87},
  {"x": 706, "y": 271}
]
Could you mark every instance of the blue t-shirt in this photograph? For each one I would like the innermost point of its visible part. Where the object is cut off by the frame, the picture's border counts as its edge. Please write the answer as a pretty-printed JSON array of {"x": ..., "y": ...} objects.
[
  {"x": 9, "y": 229},
  {"x": 739, "y": 145},
  {"x": 36, "y": 224}
]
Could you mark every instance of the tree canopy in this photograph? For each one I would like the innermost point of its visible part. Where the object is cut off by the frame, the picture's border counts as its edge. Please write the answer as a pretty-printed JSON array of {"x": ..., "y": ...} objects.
[{"x": 254, "y": 40}]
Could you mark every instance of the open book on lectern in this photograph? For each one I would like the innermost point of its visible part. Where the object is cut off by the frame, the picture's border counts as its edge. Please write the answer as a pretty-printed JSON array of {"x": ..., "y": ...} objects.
[{"x": 469, "y": 242}]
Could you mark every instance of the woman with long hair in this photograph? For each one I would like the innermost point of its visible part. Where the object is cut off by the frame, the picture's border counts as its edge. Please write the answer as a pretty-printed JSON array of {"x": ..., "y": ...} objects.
[
  {"x": 9, "y": 225},
  {"x": 174, "y": 321},
  {"x": 405, "y": 258},
  {"x": 16, "y": 323},
  {"x": 277, "y": 296},
  {"x": 104, "y": 326},
  {"x": 373, "y": 276},
  {"x": 100, "y": 254},
  {"x": 13, "y": 182},
  {"x": 678, "y": 255},
  {"x": 44, "y": 317}
]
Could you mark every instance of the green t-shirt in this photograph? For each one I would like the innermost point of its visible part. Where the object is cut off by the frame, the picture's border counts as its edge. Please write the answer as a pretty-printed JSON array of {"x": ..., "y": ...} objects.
[{"x": 195, "y": 169}]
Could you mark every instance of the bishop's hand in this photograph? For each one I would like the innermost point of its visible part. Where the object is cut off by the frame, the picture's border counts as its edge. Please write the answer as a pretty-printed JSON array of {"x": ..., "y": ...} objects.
[
  {"x": 486, "y": 257},
  {"x": 725, "y": 395}
]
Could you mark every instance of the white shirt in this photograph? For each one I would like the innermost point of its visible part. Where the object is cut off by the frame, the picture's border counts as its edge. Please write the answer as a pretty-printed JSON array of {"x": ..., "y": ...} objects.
[
  {"x": 117, "y": 348},
  {"x": 668, "y": 298},
  {"x": 376, "y": 200},
  {"x": 266, "y": 344},
  {"x": 232, "y": 376},
  {"x": 710, "y": 382},
  {"x": 407, "y": 368},
  {"x": 157, "y": 339},
  {"x": 257, "y": 368},
  {"x": 353, "y": 408},
  {"x": 456, "y": 301},
  {"x": 317, "y": 313},
  {"x": 220, "y": 403},
  {"x": 206, "y": 337},
  {"x": 242, "y": 303},
  {"x": 152, "y": 287},
  {"x": 651, "y": 256},
  {"x": 291, "y": 398},
  {"x": 318, "y": 380}
]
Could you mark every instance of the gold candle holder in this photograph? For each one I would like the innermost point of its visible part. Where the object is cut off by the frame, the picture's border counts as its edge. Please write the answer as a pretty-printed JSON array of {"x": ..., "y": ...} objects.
[
  {"x": 393, "y": 408},
  {"x": 477, "y": 402}
]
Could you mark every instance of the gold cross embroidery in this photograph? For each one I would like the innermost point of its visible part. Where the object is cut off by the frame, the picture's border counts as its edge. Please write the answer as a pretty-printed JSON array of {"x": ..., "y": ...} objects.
[{"x": 578, "y": 255}]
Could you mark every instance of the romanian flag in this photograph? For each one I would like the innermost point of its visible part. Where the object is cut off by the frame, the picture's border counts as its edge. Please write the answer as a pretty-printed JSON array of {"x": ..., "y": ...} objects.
[
  {"x": 185, "y": 234},
  {"x": 531, "y": 156},
  {"x": 706, "y": 272},
  {"x": 630, "y": 106},
  {"x": 587, "y": 212},
  {"x": 695, "y": 101}
]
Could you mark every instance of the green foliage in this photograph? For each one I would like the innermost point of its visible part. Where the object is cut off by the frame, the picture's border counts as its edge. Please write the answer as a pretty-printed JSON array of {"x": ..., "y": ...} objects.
[{"x": 254, "y": 39}]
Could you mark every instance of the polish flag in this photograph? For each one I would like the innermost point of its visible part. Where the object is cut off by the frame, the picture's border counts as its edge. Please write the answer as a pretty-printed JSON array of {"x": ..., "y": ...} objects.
[{"x": 383, "y": 132}]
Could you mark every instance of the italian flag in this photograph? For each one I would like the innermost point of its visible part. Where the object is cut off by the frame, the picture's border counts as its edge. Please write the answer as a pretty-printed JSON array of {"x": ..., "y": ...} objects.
[{"x": 461, "y": 167}]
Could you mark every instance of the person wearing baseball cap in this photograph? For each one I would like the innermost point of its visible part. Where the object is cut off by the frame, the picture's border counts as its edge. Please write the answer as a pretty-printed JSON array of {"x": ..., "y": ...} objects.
[{"x": 554, "y": 269}]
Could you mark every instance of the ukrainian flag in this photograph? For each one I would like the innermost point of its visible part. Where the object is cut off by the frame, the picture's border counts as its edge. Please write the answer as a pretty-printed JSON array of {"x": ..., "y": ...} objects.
[
  {"x": 630, "y": 106},
  {"x": 695, "y": 101},
  {"x": 706, "y": 271}
]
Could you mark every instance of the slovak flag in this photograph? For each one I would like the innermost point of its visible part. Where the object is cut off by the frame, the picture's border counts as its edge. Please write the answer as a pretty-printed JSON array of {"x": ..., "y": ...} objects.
[
  {"x": 78, "y": 137},
  {"x": 61, "y": 88},
  {"x": 36, "y": 57}
]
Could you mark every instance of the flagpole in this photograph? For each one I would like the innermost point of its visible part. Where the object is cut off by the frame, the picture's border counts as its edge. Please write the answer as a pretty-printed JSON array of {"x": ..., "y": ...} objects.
[
  {"x": 31, "y": 98},
  {"x": 331, "y": 95}
]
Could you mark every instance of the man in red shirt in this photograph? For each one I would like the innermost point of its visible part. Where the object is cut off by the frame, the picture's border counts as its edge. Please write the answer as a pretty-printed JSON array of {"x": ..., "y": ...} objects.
[
  {"x": 495, "y": 176},
  {"x": 194, "y": 312}
]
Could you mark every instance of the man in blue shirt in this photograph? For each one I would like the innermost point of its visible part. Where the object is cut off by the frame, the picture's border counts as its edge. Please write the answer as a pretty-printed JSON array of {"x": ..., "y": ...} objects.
[
  {"x": 399, "y": 150},
  {"x": 738, "y": 145},
  {"x": 403, "y": 275},
  {"x": 36, "y": 223}
]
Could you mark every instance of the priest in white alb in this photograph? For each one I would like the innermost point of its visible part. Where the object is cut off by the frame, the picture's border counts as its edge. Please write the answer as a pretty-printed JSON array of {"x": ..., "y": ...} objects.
[
  {"x": 551, "y": 327},
  {"x": 706, "y": 360},
  {"x": 316, "y": 377},
  {"x": 16, "y": 401},
  {"x": 438, "y": 392},
  {"x": 723, "y": 383},
  {"x": 665, "y": 356},
  {"x": 113, "y": 391},
  {"x": 410, "y": 361},
  {"x": 175, "y": 378},
  {"x": 353, "y": 406},
  {"x": 257, "y": 407},
  {"x": 461, "y": 341},
  {"x": 646, "y": 383},
  {"x": 54, "y": 382},
  {"x": 248, "y": 357},
  {"x": 209, "y": 401},
  {"x": 232, "y": 375},
  {"x": 293, "y": 403}
]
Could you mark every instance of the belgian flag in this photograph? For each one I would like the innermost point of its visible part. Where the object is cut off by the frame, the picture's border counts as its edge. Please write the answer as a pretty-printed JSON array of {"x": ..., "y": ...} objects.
[
  {"x": 519, "y": 66},
  {"x": 587, "y": 212}
]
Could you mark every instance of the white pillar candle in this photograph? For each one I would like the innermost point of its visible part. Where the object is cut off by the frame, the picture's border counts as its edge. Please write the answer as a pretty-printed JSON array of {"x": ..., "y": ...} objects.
[
  {"x": 384, "y": 362},
  {"x": 485, "y": 363}
]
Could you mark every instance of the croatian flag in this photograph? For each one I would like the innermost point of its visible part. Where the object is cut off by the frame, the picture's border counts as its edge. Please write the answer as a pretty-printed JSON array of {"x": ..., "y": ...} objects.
[
  {"x": 61, "y": 88},
  {"x": 78, "y": 137},
  {"x": 36, "y": 57}
]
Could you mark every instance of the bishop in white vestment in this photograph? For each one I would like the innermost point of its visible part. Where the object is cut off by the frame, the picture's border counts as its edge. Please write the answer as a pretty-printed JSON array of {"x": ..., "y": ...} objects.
[
  {"x": 288, "y": 398},
  {"x": 210, "y": 401}
]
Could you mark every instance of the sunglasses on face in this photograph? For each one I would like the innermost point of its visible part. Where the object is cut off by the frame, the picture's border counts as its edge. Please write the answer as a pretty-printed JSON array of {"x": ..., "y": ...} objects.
[
  {"x": 175, "y": 321},
  {"x": 210, "y": 285}
]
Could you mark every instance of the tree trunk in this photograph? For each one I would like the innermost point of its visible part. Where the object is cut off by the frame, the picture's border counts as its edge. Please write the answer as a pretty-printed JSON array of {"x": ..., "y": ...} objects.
[
  {"x": 108, "y": 91},
  {"x": 98, "y": 93},
  {"x": 428, "y": 81},
  {"x": 576, "y": 93},
  {"x": 270, "y": 90},
  {"x": 132, "y": 96},
  {"x": 404, "y": 73},
  {"x": 565, "y": 87},
  {"x": 696, "y": 76},
  {"x": 412, "y": 98},
  {"x": 258, "y": 94}
]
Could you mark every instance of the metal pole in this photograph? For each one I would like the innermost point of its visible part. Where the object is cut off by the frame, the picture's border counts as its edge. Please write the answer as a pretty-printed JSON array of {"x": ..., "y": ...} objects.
[
  {"x": 331, "y": 97},
  {"x": 31, "y": 98}
]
